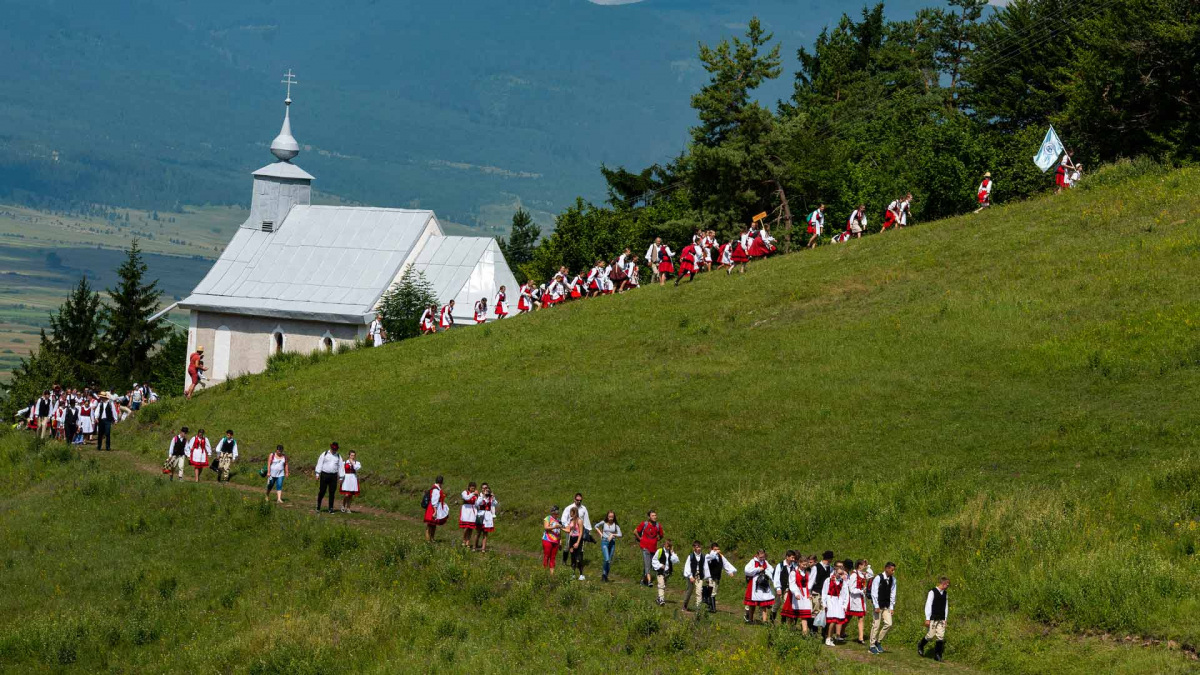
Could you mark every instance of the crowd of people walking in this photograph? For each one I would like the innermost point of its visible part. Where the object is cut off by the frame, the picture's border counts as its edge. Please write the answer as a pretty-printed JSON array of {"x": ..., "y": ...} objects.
[{"x": 79, "y": 416}]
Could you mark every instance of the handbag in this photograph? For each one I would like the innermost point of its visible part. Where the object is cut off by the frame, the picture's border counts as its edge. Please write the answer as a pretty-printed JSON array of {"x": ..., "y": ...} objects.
[
  {"x": 479, "y": 521},
  {"x": 213, "y": 464}
]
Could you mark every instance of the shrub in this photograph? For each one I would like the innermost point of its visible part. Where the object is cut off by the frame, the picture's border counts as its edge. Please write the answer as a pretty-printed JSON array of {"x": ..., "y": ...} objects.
[{"x": 339, "y": 542}]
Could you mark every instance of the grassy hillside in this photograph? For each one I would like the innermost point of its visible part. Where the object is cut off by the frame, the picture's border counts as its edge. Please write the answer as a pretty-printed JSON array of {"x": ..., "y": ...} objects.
[{"x": 1006, "y": 398}]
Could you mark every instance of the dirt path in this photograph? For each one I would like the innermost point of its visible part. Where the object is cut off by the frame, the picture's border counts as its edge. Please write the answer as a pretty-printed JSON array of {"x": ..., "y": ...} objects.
[{"x": 897, "y": 660}]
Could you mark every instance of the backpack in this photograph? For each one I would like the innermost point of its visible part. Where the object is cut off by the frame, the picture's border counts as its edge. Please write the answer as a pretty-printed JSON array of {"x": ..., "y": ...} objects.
[{"x": 425, "y": 498}]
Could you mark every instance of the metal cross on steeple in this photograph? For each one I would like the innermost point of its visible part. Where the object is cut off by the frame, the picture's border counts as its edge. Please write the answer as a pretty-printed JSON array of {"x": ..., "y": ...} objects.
[{"x": 289, "y": 79}]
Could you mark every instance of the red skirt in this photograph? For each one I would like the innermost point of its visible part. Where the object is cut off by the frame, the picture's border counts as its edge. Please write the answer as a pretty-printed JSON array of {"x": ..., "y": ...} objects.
[
  {"x": 789, "y": 613},
  {"x": 489, "y": 529},
  {"x": 755, "y": 603},
  {"x": 811, "y": 230},
  {"x": 501, "y": 315},
  {"x": 480, "y": 319},
  {"x": 665, "y": 267},
  {"x": 850, "y": 613},
  {"x": 349, "y": 492},
  {"x": 1060, "y": 176},
  {"x": 522, "y": 306},
  {"x": 889, "y": 219},
  {"x": 199, "y": 465},
  {"x": 983, "y": 196},
  {"x": 466, "y": 524},
  {"x": 739, "y": 255},
  {"x": 576, "y": 294},
  {"x": 686, "y": 267},
  {"x": 429, "y": 516},
  {"x": 835, "y": 622},
  {"x": 758, "y": 249}
]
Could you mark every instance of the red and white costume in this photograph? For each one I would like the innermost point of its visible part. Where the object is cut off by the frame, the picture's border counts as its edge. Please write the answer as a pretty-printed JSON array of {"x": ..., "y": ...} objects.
[
  {"x": 487, "y": 507},
  {"x": 87, "y": 417},
  {"x": 797, "y": 604},
  {"x": 576, "y": 287},
  {"x": 593, "y": 283},
  {"x": 481, "y": 311},
  {"x": 758, "y": 246},
  {"x": 446, "y": 317},
  {"x": 501, "y": 305},
  {"x": 427, "y": 321},
  {"x": 859, "y": 584},
  {"x": 687, "y": 260},
  {"x": 1063, "y": 172},
  {"x": 557, "y": 291},
  {"x": 740, "y": 256},
  {"x": 348, "y": 473},
  {"x": 437, "y": 512},
  {"x": 905, "y": 206},
  {"x": 708, "y": 243},
  {"x": 524, "y": 303},
  {"x": 835, "y": 595},
  {"x": 604, "y": 279},
  {"x": 985, "y": 191},
  {"x": 816, "y": 222},
  {"x": 893, "y": 214},
  {"x": 726, "y": 255},
  {"x": 466, "y": 513},
  {"x": 664, "y": 260},
  {"x": 857, "y": 222},
  {"x": 759, "y": 595},
  {"x": 198, "y": 450}
]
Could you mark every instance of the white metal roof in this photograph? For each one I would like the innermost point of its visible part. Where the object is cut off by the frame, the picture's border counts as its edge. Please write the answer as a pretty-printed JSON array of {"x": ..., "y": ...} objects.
[
  {"x": 464, "y": 269},
  {"x": 328, "y": 263}
]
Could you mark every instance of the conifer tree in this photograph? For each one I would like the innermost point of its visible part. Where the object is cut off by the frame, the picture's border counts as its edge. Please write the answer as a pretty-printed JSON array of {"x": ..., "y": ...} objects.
[
  {"x": 403, "y": 304},
  {"x": 75, "y": 328},
  {"x": 518, "y": 248},
  {"x": 129, "y": 334}
]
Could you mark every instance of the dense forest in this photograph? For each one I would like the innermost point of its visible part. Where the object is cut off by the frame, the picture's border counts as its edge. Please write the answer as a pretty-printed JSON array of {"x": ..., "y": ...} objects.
[{"x": 880, "y": 108}]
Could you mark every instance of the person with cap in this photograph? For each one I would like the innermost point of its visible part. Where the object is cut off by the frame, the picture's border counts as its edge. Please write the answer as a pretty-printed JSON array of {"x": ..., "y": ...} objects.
[
  {"x": 227, "y": 454},
  {"x": 176, "y": 452},
  {"x": 984, "y": 193},
  {"x": 198, "y": 451},
  {"x": 375, "y": 331},
  {"x": 195, "y": 367},
  {"x": 108, "y": 416},
  {"x": 326, "y": 470}
]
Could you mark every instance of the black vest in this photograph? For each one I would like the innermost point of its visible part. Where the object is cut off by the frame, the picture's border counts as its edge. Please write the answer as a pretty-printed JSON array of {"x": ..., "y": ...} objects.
[
  {"x": 938, "y": 611},
  {"x": 178, "y": 447},
  {"x": 71, "y": 418},
  {"x": 665, "y": 559},
  {"x": 820, "y": 574},
  {"x": 884, "y": 591},
  {"x": 226, "y": 445},
  {"x": 697, "y": 565},
  {"x": 715, "y": 567},
  {"x": 43, "y": 409},
  {"x": 106, "y": 412},
  {"x": 782, "y": 572}
]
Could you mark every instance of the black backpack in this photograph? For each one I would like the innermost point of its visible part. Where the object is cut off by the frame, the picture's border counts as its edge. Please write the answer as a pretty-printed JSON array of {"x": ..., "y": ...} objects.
[{"x": 425, "y": 498}]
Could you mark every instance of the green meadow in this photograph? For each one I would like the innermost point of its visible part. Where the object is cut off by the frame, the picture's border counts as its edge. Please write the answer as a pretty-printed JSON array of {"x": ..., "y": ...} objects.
[{"x": 1005, "y": 398}]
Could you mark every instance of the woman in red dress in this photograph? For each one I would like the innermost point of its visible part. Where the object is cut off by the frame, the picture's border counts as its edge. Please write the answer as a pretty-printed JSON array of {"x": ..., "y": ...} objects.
[{"x": 665, "y": 266}]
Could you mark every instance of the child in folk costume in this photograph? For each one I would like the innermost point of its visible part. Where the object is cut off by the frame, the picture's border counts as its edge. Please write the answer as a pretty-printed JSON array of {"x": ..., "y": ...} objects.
[
  {"x": 524, "y": 299},
  {"x": 739, "y": 255},
  {"x": 593, "y": 281},
  {"x": 859, "y": 583},
  {"x": 759, "y": 594},
  {"x": 664, "y": 561},
  {"x": 1076, "y": 174},
  {"x": 816, "y": 225},
  {"x": 348, "y": 473},
  {"x": 481, "y": 311},
  {"x": 984, "y": 193},
  {"x": 758, "y": 244},
  {"x": 227, "y": 454},
  {"x": 687, "y": 262},
  {"x": 883, "y": 599},
  {"x": 176, "y": 454},
  {"x": 446, "y": 316},
  {"x": 891, "y": 217},
  {"x": 857, "y": 222},
  {"x": 576, "y": 287},
  {"x": 198, "y": 450},
  {"x": 485, "y": 517},
  {"x": 1062, "y": 175},
  {"x": 467, "y": 514},
  {"x": 605, "y": 280},
  {"x": 426, "y": 322},
  {"x": 835, "y": 595},
  {"x": 551, "y": 536},
  {"x": 714, "y": 563},
  {"x": 500, "y": 304},
  {"x": 709, "y": 243},
  {"x": 635, "y": 280},
  {"x": 725, "y": 257},
  {"x": 558, "y": 291},
  {"x": 905, "y": 209},
  {"x": 937, "y": 608},
  {"x": 87, "y": 423},
  {"x": 665, "y": 267},
  {"x": 436, "y": 510},
  {"x": 797, "y": 604}
]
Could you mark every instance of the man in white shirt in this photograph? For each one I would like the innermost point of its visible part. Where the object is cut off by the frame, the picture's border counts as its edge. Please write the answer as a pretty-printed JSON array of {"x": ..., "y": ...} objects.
[
  {"x": 652, "y": 256},
  {"x": 326, "y": 469},
  {"x": 227, "y": 454},
  {"x": 108, "y": 416},
  {"x": 587, "y": 523},
  {"x": 375, "y": 331}
]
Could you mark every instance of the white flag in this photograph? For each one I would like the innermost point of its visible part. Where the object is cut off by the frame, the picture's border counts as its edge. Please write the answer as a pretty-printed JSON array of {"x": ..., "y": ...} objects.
[{"x": 1052, "y": 149}]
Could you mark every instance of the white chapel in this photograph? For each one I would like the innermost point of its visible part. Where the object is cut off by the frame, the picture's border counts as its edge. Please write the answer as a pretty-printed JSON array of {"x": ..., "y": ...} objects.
[{"x": 299, "y": 277}]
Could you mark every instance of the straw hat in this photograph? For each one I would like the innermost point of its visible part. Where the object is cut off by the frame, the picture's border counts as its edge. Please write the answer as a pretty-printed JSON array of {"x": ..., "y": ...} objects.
[
  {"x": 200, "y": 348},
  {"x": 988, "y": 174}
]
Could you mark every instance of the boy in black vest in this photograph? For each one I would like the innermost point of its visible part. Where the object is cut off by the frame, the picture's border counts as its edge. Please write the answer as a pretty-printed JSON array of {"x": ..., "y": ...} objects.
[
  {"x": 693, "y": 569},
  {"x": 664, "y": 562},
  {"x": 937, "y": 608},
  {"x": 176, "y": 451}
]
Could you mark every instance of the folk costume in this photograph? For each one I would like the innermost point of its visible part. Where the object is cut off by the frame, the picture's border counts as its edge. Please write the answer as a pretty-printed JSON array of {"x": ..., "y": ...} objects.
[
  {"x": 227, "y": 454},
  {"x": 893, "y": 214},
  {"x": 937, "y": 608},
  {"x": 1062, "y": 175},
  {"x": 714, "y": 564},
  {"x": 858, "y": 583},
  {"x": 664, "y": 260},
  {"x": 177, "y": 451},
  {"x": 663, "y": 562},
  {"x": 740, "y": 256},
  {"x": 427, "y": 321},
  {"x": 481, "y": 311},
  {"x": 466, "y": 512},
  {"x": 437, "y": 513},
  {"x": 501, "y": 305},
  {"x": 758, "y": 585},
  {"x": 857, "y": 223},
  {"x": 486, "y": 507},
  {"x": 375, "y": 333},
  {"x": 758, "y": 246},
  {"x": 835, "y": 595},
  {"x": 984, "y": 193},
  {"x": 576, "y": 287},
  {"x": 348, "y": 473},
  {"x": 883, "y": 599},
  {"x": 446, "y": 318},
  {"x": 524, "y": 302},
  {"x": 198, "y": 450},
  {"x": 816, "y": 222},
  {"x": 797, "y": 603}
]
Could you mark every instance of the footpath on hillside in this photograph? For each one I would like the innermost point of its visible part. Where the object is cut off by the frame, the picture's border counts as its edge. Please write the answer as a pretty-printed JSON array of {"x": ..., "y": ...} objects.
[{"x": 901, "y": 658}]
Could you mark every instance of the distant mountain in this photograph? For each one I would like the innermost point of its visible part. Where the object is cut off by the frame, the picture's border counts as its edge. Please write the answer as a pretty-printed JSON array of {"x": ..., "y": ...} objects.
[{"x": 464, "y": 106}]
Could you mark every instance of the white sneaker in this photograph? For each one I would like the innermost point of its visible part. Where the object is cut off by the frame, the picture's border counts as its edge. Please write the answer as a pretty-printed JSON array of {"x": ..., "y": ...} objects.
[
  {"x": 581, "y": 577},
  {"x": 828, "y": 642}
]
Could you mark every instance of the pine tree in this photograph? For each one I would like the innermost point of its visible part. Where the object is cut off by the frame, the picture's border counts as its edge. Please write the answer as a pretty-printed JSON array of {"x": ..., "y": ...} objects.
[
  {"x": 404, "y": 303},
  {"x": 75, "y": 329},
  {"x": 522, "y": 239},
  {"x": 129, "y": 334}
]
